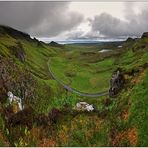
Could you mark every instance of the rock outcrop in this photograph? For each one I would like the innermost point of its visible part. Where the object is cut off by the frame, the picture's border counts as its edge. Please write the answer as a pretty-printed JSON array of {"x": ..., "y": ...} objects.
[
  {"x": 145, "y": 35},
  {"x": 84, "y": 106},
  {"x": 12, "y": 98},
  {"x": 116, "y": 83},
  {"x": 55, "y": 44},
  {"x": 38, "y": 43}
]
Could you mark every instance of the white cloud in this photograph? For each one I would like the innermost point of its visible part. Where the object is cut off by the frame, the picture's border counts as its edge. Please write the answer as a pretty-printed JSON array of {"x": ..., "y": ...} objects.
[
  {"x": 111, "y": 26},
  {"x": 107, "y": 25}
]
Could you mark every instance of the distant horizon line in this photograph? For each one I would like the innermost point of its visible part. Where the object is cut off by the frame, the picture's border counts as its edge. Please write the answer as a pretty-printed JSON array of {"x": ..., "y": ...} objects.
[
  {"x": 48, "y": 40},
  {"x": 86, "y": 41},
  {"x": 81, "y": 41}
]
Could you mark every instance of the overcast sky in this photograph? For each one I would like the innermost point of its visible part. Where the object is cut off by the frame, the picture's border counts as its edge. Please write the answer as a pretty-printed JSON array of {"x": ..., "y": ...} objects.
[{"x": 76, "y": 20}]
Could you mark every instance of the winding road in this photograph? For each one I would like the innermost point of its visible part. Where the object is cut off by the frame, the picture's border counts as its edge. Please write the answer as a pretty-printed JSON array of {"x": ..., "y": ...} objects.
[{"x": 105, "y": 93}]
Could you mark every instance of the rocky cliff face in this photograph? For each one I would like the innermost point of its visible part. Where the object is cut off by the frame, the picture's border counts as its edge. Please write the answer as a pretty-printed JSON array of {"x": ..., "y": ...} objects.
[
  {"x": 116, "y": 83},
  {"x": 145, "y": 35}
]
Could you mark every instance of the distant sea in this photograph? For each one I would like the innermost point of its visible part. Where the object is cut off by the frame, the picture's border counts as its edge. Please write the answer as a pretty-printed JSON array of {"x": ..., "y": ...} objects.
[
  {"x": 86, "y": 41},
  {"x": 76, "y": 42},
  {"x": 47, "y": 40}
]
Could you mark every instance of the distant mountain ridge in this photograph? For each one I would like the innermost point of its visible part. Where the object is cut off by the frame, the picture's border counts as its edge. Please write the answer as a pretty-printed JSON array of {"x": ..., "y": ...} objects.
[{"x": 13, "y": 32}]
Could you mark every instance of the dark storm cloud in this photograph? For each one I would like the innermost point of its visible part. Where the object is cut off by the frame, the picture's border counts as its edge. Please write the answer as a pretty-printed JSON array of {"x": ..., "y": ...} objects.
[
  {"x": 110, "y": 26},
  {"x": 42, "y": 19}
]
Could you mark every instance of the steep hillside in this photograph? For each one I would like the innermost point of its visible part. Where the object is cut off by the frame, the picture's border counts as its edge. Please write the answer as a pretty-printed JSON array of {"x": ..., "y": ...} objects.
[
  {"x": 32, "y": 55},
  {"x": 50, "y": 117}
]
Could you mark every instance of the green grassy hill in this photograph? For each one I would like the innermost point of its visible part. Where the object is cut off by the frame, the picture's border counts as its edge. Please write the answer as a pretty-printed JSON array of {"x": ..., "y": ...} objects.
[{"x": 119, "y": 121}]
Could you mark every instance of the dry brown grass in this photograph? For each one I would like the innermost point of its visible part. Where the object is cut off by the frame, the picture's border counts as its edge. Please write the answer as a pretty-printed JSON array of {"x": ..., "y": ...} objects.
[
  {"x": 139, "y": 78},
  {"x": 132, "y": 135},
  {"x": 125, "y": 115},
  {"x": 128, "y": 135}
]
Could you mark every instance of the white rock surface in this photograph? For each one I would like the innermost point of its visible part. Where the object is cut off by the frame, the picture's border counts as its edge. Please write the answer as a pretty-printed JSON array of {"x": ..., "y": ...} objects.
[
  {"x": 84, "y": 106},
  {"x": 89, "y": 108},
  {"x": 120, "y": 46},
  {"x": 12, "y": 98}
]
